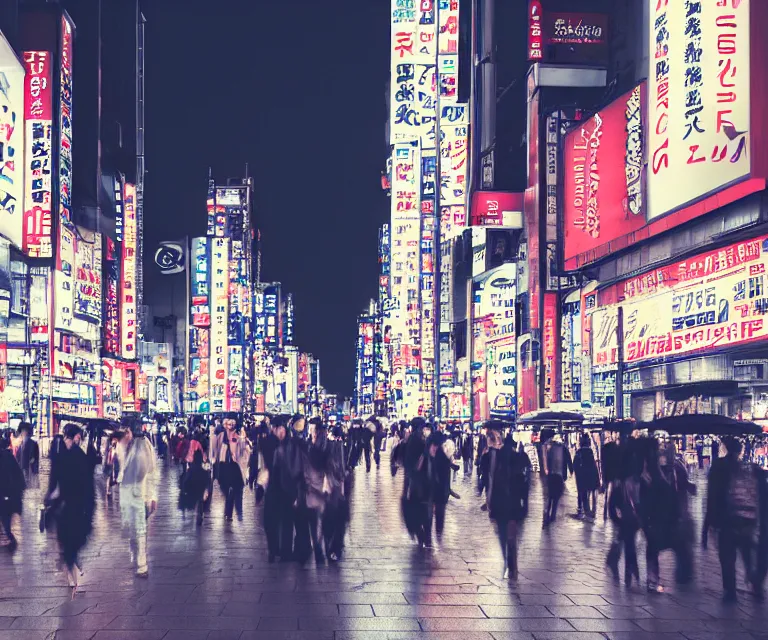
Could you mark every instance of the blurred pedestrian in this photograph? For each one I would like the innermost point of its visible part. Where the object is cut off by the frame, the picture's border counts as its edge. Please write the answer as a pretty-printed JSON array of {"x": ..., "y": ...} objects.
[
  {"x": 138, "y": 492},
  {"x": 587, "y": 477},
  {"x": 11, "y": 489},
  {"x": 737, "y": 504},
  {"x": 557, "y": 465},
  {"x": 28, "y": 454},
  {"x": 336, "y": 513},
  {"x": 194, "y": 487},
  {"x": 467, "y": 450},
  {"x": 230, "y": 452},
  {"x": 71, "y": 487},
  {"x": 503, "y": 478}
]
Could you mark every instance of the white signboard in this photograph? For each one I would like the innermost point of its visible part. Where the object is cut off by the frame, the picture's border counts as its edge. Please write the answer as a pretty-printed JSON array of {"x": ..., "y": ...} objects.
[{"x": 698, "y": 100}]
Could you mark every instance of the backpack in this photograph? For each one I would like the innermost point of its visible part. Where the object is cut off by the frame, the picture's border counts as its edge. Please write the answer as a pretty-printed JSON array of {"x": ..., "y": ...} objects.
[{"x": 742, "y": 495}]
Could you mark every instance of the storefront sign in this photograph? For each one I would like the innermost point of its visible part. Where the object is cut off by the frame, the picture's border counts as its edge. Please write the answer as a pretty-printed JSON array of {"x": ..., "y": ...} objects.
[
  {"x": 550, "y": 347},
  {"x": 603, "y": 168},
  {"x": 497, "y": 209},
  {"x": 535, "y": 39},
  {"x": 219, "y": 309},
  {"x": 714, "y": 300},
  {"x": 38, "y": 156},
  {"x": 487, "y": 170},
  {"x": 698, "y": 100}
]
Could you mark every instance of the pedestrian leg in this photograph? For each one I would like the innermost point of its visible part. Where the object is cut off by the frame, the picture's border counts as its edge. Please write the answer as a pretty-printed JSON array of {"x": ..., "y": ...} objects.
[
  {"x": 200, "y": 511},
  {"x": 630, "y": 556},
  {"x": 439, "y": 520},
  {"x": 377, "y": 456},
  {"x": 286, "y": 532},
  {"x": 511, "y": 549},
  {"x": 727, "y": 553},
  {"x": 367, "y": 452},
  {"x": 5, "y": 519},
  {"x": 229, "y": 503},
  {"x": 652, "y": 565}
]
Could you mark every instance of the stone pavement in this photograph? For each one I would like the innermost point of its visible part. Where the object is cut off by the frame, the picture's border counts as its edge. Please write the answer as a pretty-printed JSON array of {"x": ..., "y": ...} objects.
[{"x": 214, "y": 583}]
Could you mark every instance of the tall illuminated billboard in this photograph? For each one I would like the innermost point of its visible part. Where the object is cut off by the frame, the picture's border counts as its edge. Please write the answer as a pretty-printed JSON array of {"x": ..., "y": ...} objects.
[
  {"x": 12, "y": 145},
  {"x": 38, "y": 154},
  {"x": 128, "y": 304}
]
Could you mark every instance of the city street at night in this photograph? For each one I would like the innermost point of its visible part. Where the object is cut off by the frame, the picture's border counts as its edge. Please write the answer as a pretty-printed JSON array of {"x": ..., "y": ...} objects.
[{"x": 214, "y": 583}]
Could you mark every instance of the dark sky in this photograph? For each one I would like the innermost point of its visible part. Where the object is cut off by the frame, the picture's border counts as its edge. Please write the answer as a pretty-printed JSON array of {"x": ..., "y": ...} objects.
[{"x": 296, "y": 89}]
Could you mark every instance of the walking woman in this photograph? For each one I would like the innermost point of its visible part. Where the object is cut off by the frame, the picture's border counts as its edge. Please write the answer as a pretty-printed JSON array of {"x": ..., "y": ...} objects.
[
  {"x": 72, "y": 479},
  {"x": 138, "y": 492},
  {"x": 230, "y": 452}
]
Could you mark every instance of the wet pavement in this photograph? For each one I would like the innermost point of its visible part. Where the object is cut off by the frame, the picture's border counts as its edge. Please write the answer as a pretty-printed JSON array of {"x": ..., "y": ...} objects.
[{"x": 214, "y": 582}]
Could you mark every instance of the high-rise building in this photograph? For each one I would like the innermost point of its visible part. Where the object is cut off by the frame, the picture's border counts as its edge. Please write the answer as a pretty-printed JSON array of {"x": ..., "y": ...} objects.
[{"x": 220, "y": 358}]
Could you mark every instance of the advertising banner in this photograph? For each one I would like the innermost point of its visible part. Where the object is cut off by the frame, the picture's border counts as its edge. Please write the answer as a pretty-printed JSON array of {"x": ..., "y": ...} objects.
[
  {"x": 88, "y": 279},
  {"x": 65, "y": 121},
  {"x": 219, "y": 309},
  {"x": 535, "y": 39},
  {"x": 404, "y": 124},
  {"x": 38, "y": 153},
  {"x": 128, "y": 309},
  {"x": 497, "y": 209},
  {"x": 64, "y": 278},
  {"x": 550, "y": 348},
  {"x": 454, "y": 132},
  {"x": 502, "y": 378},
  {"x": 698, "y": 100},
  {"x": 713, "y": 300},
  {"x": 603, "y": 175},
  {"x": 11, "y": 145},
  {"x": 111, "y": 300}
]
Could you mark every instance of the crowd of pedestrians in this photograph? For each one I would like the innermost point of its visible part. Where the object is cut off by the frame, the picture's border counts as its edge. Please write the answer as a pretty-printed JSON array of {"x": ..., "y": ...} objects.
[{"x": 301, "y": 473}]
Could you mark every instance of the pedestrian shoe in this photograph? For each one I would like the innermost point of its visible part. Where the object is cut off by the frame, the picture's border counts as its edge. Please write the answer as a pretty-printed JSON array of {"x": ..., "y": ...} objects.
[
  {"x": 143, "y": 574},
  {"x": 655, "y": 589}
]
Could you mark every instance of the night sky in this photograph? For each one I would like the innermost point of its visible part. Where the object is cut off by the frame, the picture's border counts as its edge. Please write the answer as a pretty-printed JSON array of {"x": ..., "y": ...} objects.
[{"x": 297, "y": 90}]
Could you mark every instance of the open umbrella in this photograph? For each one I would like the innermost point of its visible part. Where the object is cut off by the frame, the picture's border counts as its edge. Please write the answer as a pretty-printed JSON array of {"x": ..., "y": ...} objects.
[
  {"x": 549, "y": 417},
  {"x": 704, "y": 424}
]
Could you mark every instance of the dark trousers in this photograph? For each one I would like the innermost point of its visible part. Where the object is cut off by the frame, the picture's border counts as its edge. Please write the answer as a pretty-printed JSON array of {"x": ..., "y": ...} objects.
[
  {"x": 507, "y": 532},
  {"x": 315, "y": 533},
  {"x": 625, "y": 541},
  {"x": 334, "y": 526},
  {"x": 555, "y": 485},
  {"x": 367, "y": 454},
  {"x": 467, "y": 466},
  {"x": 302, "y": 545},
  {"x": 683, "y": 556},
  {"x": 733, "y": 540},
  {"x": 278, "y": 525},
  {"x": 436, "y": 513},
  {"x": 234, "y": 501},
  {"x": 377, "y": 454},
  {"x": 587, "y": 502},
  {"x": 5, "y": 521}
]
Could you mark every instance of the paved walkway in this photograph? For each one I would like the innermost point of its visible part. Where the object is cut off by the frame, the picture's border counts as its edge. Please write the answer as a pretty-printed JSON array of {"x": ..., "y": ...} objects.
[{"x": 215, "y": 583}]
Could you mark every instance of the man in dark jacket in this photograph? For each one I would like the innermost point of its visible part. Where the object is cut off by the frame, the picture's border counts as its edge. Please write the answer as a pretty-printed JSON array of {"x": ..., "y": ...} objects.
[
  {"x": 502, "y": 477},
  {"x": 737, "y": 507},
  {"x": 467, "y": 450},
  {"x": 11, "y": 489},
  {"x": 439, "y": 476},
  {"x": 587, "y": 478},
  {"x": 378, "y": 437},
  {"x": 28, "y": 453}
]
